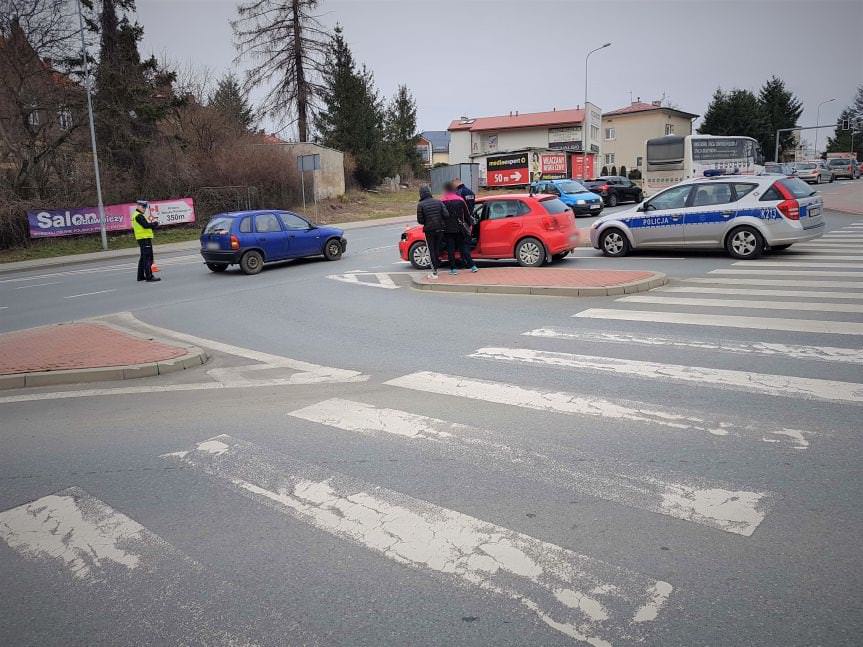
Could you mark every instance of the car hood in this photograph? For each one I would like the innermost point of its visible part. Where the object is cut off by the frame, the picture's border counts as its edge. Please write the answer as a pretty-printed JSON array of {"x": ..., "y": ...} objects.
[
  {"x": 325, "y": 230},
  {"x": 584, "y": 195},
  {"x": 626, "y": 213}
]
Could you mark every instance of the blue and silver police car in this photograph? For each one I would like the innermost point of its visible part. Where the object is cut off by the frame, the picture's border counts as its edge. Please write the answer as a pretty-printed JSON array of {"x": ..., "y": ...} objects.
[{"x": 744, "y": 214}]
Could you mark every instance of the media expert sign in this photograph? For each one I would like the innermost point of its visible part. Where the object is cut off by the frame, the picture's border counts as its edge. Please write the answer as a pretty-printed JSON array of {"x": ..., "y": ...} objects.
[
  {"x": 118, "y": 217},
  {"x": 507, "y": 170}
]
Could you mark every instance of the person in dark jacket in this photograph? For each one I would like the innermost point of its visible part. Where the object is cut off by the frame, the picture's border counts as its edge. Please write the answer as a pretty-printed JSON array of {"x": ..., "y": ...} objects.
[
  {"x": 143, "y": 226},
  {"x": 431, "y": 215},
  {"x": 457, "y": 228},
  {"x": 467, "y": 195}
]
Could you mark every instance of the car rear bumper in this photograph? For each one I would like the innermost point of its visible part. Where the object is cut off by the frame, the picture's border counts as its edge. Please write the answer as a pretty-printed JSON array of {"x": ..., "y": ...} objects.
[
  {"x": 231, "y": 257},
  {"x": 797, "y": 235},
  {"x": 585, "y": 210}
]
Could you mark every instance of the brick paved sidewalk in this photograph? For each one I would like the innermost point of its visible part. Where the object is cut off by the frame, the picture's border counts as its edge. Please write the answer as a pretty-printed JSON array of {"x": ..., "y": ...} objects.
[
  {"x": 543, "y": 280},
  {"x": 78, "y": 346}
]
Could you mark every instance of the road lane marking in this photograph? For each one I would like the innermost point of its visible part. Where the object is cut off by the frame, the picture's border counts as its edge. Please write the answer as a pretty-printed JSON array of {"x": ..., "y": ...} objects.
[
  {"x": 113, "y": 556},
  {"x": 572, "y": 403},
  {"x": 726, "y": 321},
  {"x": 87, "y": 294},
  {"x": 791, "y": 351},
  {"x": 713, "y": 505},
  {"x": 575, "y": 594},
  {"x": 176, "y": 260},
  {"x": 382, "y": 279},
  {"x": 752, "y": 304},
  {"x": 850, "y": 275},
  {"x": 825, "y": 262},
  {"x": 766, "y": 384},
  {"x": 810, "y": 294},
  {"x": 38, "y": 285},
  {"x": 791, "y": 283}
]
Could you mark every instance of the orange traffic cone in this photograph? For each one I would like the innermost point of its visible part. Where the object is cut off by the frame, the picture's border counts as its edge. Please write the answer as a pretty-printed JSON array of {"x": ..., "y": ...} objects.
[{"x": 154, "y": 268}]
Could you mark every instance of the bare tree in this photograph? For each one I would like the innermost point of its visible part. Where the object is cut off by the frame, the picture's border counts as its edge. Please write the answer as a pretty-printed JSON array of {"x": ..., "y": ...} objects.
[{"x": 287, "y": 44}]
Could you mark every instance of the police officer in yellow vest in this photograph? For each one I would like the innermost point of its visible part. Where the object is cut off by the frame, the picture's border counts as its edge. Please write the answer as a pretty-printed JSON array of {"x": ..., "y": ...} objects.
[{"x": 143, "y": 226}]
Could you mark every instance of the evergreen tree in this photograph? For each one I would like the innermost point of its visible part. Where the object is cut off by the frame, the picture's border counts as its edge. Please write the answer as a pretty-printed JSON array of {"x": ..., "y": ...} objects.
[
  {"x": 781, "y": 109},
  {"x": 401, "y": 130},
  {"x": 352, "y": 116},
  {"x": 840, "y": 142},
  {"x": 737, "y": 112},
  {"x": 229, "y": 99}
]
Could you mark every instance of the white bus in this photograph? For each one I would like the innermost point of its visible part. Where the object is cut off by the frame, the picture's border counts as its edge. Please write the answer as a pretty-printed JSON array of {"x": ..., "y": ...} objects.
[{"x": 675, "y": 158}]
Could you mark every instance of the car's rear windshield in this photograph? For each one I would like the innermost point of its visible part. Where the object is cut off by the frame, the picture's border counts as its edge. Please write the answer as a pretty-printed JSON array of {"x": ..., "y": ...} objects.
[
  {"x": 218, "y": 226},
  {"x": 806, "y": 166},
  {"x": 553, "y": 205},
  {"x": 797, "y": 188},
  {"x": 839, "y": 162}
]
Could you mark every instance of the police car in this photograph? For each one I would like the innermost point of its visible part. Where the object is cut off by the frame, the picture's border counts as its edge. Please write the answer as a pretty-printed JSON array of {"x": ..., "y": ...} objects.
[{"x": 743, "y": 214}]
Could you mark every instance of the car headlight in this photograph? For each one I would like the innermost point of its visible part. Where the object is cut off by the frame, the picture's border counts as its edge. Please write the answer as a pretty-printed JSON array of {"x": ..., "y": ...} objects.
[
  {"x": 581, "y": 202},
  {"x": 595, "y": 224}
]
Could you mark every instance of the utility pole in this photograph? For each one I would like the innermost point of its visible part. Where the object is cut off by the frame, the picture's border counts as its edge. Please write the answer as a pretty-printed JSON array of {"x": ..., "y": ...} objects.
[
  {"x": 88, "y": 86},
  {"x": 818, "y": 122},
  {"x": 584, "y": 121}
]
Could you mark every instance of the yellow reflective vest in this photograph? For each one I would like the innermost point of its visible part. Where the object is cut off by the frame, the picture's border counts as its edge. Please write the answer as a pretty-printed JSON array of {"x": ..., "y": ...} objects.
[{"x": 140, "y": 232}]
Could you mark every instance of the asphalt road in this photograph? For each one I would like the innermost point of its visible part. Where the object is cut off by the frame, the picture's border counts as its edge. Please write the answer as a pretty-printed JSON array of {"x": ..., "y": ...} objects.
[{"x": 480, "y": 470}]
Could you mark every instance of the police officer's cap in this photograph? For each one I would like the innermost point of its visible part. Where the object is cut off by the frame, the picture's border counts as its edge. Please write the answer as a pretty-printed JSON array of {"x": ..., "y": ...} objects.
[{"x": 142, "y": 203}]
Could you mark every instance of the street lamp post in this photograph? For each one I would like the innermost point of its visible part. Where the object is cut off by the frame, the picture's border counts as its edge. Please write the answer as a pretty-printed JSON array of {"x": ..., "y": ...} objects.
[
  {"x": 584, "y": 121},
  {"x": 818, "y": 123},
  {"x": 88, "y": 85}
]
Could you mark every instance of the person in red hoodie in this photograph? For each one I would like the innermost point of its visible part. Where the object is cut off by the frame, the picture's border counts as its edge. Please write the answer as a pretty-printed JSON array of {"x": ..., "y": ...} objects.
[{"x": 457, "y": 227}]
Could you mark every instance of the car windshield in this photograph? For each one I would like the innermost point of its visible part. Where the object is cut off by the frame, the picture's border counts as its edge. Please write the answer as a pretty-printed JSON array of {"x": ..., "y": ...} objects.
[
  {"x": 218, "y": 226},
  {"x": 570, "y": 186},
  {"x": 797, "y": 188}
]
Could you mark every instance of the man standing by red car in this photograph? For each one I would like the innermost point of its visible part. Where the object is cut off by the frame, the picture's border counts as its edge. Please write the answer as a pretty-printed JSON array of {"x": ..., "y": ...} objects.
[{"x": 457, "y": 228}]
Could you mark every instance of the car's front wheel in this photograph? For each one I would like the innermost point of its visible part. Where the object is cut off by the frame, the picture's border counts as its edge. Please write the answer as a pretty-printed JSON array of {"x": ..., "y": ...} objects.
[
  {"x": 639, "y": 197},
  {"x": 530, "y": 252},
  {"x": 252, "y": 262},
  {"x": 333, "y": 249},
  {"x": 419, "y": 255},
  {"x": 217, "y": 267},
  {"x": 614, "y": 242},
  {"x": 744, "y": 243}
]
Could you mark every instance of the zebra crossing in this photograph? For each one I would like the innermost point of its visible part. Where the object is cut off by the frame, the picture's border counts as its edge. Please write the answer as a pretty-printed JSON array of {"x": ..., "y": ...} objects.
[{"x": 572, "y": 591}]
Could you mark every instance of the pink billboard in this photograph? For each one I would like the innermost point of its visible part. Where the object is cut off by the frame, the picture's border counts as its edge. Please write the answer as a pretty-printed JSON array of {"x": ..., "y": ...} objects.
[{"x": 118, "y": 217}]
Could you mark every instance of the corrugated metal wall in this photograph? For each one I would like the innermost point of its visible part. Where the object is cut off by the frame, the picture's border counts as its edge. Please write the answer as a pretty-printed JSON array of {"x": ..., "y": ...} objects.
[{"x": 469, "y": 174}]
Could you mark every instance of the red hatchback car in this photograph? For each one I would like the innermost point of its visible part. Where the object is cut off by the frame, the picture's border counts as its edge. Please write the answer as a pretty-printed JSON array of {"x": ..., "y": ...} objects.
[{"x": 529, "y": 228}]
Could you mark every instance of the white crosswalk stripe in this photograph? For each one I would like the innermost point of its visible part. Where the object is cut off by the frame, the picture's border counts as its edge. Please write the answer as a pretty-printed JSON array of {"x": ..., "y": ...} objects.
[
  {"x": 789, "y": 351},
  {"x": 575, "y": 404},
  {"x": 791, "y": 283},
  {"x": 809, "y": 294},
  {"x": 754, "y": 270},
  {"x": 577, "y": 595},
  {"x": 823, "y": 261},
  {"x": 778, "y": 385},
  {"x": 714, "y": 505},
  {"x": 743, "y": 303}
]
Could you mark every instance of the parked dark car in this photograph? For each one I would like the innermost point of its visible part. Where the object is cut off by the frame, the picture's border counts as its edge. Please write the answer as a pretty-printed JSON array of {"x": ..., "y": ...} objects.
[
  {"x": 615, "y": 189},
  {"x": 251, "y": 238}
]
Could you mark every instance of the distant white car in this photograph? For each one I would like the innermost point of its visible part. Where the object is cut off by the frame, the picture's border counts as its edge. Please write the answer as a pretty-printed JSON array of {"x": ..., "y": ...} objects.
[{"x": 743, "y": 214}]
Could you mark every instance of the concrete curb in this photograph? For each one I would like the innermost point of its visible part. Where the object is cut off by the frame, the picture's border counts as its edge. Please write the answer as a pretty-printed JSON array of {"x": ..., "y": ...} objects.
[
  {"x": 642, "y": 285},
  {"x": 193, "y": 357}
]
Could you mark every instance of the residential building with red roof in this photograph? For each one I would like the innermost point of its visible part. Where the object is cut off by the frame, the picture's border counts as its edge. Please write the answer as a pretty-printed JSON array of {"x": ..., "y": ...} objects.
[{"x": 625, "y": 131}]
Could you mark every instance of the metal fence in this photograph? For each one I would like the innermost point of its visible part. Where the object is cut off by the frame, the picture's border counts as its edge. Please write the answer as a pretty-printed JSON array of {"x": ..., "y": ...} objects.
[{"x": 468, "y": 173}]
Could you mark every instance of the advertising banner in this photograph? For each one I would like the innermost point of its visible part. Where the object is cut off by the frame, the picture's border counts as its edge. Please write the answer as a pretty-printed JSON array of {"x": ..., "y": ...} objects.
[
  {"x": 565, "y": 139},
  {"x": 553, "y": 166},
  {"x": 507, "y": 170},
  {"x": 582, "y": 168},
  {"x": 118, "y": 217}
]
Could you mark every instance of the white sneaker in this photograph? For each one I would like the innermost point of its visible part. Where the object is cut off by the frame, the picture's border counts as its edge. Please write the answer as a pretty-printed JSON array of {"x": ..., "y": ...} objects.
[{"x": 431, "y": 275}]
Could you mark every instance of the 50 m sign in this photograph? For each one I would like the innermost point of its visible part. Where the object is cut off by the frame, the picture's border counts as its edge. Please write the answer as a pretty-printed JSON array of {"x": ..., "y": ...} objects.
[{"x": 507, "y": 170}]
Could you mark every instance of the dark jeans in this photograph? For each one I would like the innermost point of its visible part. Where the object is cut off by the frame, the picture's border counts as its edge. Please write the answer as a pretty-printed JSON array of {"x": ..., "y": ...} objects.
[
  {"x": 433, "y": 238},
  {"x": 458, "y": 241},
  {"x": 145, "y": 261}
]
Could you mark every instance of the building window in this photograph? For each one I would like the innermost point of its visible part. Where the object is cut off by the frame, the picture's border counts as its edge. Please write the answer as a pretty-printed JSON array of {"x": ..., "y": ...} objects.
[
  {"x": 669, "y": 129},
  {"x": 423, "y": 152},
  {"x": 64, "y": 118},
  {"x": 33, "y": 117},
  {"x": 638, "y": 161},
  {"x": 594, "y": 132},
  {"x": 609, "y": 158},
  {"x": 609, "y": 134}
]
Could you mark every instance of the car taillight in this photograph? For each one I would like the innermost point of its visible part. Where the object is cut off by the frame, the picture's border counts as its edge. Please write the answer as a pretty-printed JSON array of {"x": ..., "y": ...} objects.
[
  {"x": 550, "y": 223},
  {"x": 603, "y": 188},
  {"x": 235, "y": 242},
  {"x": 790, "y": 209}
]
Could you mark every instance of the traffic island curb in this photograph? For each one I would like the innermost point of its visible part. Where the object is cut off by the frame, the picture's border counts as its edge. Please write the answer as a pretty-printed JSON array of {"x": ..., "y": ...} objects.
[
  {"x": 191, "y": 357},
  {"x": 532, "y": 281}
]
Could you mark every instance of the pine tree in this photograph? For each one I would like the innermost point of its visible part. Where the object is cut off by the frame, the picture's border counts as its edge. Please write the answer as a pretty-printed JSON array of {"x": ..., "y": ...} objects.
[
  {"x": 781, "y": 110},
  {"x": 352, "y": 116},
  {"x": 840, "y": 142},
  {"x": 401, "y": 130},
  {"x": 737, "y": 112},
  {"x": 229, "y": 99}
]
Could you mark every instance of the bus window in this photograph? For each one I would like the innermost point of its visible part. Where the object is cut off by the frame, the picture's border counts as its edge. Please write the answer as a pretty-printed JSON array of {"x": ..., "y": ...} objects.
[{"x": 665, "y": 151}]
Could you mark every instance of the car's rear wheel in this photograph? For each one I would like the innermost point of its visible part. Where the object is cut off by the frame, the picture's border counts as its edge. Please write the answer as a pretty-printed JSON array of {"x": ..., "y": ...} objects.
[
  {"x": 252, "y": 262},
  {"x": 639, "y": 196},
  {"x": 744, "y": 243},
  {"x": 779, "y": 248},
  {"x": 530, "y": 252},
  {"x": 333, "y": 249},
  {"x": 217, "y": 267},
  {"x": 419, "y": 255},
  {"x": 614, "y": 242},
  {"x": 612, "y": 200}
]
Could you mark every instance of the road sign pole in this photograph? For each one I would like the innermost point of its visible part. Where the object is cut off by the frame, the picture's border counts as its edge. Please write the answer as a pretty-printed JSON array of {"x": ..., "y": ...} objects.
[{"x": 303, "y": 184}]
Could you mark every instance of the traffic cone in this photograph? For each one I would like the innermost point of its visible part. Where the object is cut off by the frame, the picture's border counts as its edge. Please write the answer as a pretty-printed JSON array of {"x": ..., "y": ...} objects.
[{"x": 154, "y": 268}]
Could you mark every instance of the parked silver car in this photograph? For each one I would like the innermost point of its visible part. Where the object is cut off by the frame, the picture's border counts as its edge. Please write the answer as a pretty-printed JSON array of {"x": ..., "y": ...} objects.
[
  {"x": 814, "y": 172},
  {"x": 744, "y": 214},
  {"x": 843, "y": 167}
]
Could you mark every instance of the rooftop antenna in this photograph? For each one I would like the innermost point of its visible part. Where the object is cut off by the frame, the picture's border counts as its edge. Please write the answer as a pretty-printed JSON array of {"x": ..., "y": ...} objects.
[{"x": 630, "y": 97}]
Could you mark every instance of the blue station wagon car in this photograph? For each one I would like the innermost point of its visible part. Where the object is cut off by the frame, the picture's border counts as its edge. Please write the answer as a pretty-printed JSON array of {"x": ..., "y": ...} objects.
[
  {"x": 573, "y": 194},
  {"x": 746, "y": 215},
  {"x": 251, "y": 238}
]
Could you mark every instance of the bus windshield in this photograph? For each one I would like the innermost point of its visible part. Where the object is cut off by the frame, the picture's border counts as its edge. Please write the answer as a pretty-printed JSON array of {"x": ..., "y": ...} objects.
[{"x": 664, "y": 150}]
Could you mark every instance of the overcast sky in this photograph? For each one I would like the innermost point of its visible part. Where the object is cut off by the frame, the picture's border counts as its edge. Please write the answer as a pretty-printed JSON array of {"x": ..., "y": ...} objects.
[{"x": 487, "y": 57}]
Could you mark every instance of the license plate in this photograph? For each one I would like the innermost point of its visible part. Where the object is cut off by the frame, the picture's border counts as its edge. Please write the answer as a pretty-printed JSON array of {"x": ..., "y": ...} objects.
[
  {"x": 594, "y": 206},
  {"x": 815, "y": 212},
  {"x": 212, "y": 245}
]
